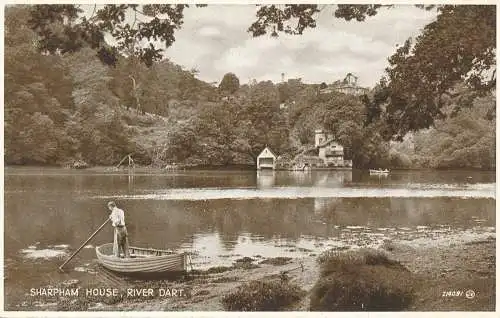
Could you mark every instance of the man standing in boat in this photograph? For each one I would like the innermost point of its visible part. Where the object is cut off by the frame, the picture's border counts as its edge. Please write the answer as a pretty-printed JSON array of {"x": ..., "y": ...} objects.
[{"x": 120, "y": 242}]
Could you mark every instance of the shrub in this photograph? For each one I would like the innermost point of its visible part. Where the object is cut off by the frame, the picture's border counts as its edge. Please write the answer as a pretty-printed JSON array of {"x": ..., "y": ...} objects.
[
  {"x": 334, "y": 260},
  {"x": 245, "y": 263},
  {"x": 262, "y": 296},
  {"x": 218, "y": 269},
  {"x": 145, "y": 121},
  {"x": 245, "y": 259},
  {"x": 225, "y": 279},
  {"x": 277, "y": 261},
  {"x": 361, "y": 280}
]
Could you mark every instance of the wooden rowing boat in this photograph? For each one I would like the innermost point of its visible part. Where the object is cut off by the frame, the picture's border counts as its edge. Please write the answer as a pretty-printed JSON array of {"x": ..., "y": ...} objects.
[
  {"x": 141, "y": 260},
  {"x": 379, "y": 171}
]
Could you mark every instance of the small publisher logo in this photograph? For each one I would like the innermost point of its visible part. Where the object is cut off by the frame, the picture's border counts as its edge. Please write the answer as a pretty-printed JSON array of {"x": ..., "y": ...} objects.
[{"x": 470, "y": 294}]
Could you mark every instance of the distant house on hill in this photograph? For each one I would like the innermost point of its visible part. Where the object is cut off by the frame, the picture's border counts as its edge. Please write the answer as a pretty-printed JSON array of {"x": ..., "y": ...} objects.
[
  {"x": 266, "y": 159},
  {"x": 347, "y": 86},
  {"x": 330, "y": 150}
]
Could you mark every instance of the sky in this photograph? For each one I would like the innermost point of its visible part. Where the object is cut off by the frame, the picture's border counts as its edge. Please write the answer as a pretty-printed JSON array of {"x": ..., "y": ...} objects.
[{"x": 214, "y": 40}]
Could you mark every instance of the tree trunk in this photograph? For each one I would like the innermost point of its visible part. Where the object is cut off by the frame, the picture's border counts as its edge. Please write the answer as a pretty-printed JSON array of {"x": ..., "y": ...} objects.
[{"x": 137, "y": 102}]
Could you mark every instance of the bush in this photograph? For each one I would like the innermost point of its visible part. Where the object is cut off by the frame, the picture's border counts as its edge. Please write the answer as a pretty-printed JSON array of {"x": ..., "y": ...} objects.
[
  {"x": 218, "y": 269},
  {"x": 364, "y": 280},
  {"x": 277, "y": 261},
  {"x": 145, "y": 121},
  {"x": 245, "y": 263},
  {"x": 262, "y": 296},
  {"x": 245, "y": 259}
]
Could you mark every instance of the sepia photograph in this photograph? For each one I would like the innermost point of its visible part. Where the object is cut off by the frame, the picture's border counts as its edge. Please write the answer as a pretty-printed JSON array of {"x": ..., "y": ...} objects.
[{"x": 246, "y": 157}]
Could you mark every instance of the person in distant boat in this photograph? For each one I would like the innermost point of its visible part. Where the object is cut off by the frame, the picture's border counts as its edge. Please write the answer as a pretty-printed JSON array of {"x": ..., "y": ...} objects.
[{"x": 120, "y": 242}]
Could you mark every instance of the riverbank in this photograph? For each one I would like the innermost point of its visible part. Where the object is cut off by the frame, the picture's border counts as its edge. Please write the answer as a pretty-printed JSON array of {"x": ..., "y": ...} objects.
[
  {"x": 307, "y": 169},
  {"x": 125, "y": 170},
  {"x": 465, "y": 266},
  {"x": 235, "y": 167},
  {"x": 437, "y": 270},
  {"x": 442, "y": 274}
]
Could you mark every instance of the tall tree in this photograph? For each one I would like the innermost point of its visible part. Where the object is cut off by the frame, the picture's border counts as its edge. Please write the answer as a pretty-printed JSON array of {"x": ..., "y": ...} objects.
[
  {"x": 37, "y": 96},
  {"x": 424, "y": 74},
  {"x": 64, "y": 29},
  {"x": 459, "y": 46},
  {"x": 230, "y": 83},
  {"x": 466, "y": 140}
]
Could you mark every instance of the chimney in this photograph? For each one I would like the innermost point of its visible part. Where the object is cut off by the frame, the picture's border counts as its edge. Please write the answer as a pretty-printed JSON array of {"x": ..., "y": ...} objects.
[{"x": 319, "y": 137}]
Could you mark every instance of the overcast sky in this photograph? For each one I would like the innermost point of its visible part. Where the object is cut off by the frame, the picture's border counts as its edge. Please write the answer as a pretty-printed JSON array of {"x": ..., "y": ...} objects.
[{"x": 214, "y": 40}]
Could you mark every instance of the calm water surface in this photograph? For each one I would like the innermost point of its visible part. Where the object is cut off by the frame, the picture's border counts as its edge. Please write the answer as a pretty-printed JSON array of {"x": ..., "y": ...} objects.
[{"x": 224, "y": 215}]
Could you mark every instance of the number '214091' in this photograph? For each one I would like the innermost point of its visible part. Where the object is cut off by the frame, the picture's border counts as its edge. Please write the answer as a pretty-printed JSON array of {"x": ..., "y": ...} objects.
[{"x": 453, "y": 293}]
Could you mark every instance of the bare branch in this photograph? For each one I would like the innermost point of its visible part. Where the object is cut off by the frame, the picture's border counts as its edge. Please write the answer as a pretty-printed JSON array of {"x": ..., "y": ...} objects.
[
  {"x": 138, "y": 11},
  {"x": 493, "y": 76},
  {"x": 93, "y": 12},
  {"x": 135, "y": 18}
]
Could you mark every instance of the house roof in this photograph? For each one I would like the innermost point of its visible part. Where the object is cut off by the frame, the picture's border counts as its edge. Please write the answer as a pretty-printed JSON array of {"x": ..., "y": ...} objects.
[
  {"x": 329, "y": 141},
  {"x": 269, "y": 149}
]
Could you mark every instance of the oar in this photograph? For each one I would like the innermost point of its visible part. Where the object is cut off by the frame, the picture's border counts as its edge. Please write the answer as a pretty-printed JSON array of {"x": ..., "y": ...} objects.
[{"x": 83, "y": 245}]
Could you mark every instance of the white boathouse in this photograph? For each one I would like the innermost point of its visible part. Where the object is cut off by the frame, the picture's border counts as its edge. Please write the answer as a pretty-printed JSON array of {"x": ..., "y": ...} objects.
[{"x": 266, "y": 159}]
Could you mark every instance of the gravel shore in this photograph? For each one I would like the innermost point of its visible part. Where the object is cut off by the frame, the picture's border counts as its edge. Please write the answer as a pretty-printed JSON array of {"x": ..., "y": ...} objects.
[
  {"x": 437, "y": 269},
  {"x": 444, "y": 271}
]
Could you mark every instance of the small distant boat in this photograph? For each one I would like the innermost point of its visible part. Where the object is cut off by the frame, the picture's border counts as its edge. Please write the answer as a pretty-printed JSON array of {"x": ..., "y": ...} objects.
[
  {"x": 142, "y": 260},
  {"x": 379, "y": 171}
]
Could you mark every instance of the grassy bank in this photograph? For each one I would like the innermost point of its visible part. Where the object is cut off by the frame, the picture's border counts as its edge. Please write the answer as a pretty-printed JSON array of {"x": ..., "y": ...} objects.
[{"x": 362, "y": 280}]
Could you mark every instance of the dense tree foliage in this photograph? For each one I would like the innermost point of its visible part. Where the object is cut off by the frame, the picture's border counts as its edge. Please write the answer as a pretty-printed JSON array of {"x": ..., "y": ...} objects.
[
  {"x": 466, "y": 140},
  {"x": 229, "y": 84},
  {"x": 97, "y": 125},
  {"x": 459, "y": 46},
  {"x": 345, "y": 117},
  {"x": 37, "y": 97},
  {"x": 64, "y": 29},
  {"x": 62, "y": 103},
  {"x": 422, "y": 75},
  {"x": 234, "y": 130},
  {"x": 157, "y": 89},
  {"x": 57, "y": 108}
]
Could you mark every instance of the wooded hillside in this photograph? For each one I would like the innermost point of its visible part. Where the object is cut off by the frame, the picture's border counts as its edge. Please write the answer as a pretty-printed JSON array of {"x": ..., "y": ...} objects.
[{"x": 62, "y": 108}]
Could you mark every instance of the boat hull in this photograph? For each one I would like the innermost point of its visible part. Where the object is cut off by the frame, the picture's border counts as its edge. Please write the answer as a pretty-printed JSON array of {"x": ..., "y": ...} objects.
[
  {"x": 142, "y": 261},
  {"x": 379, "y": 171}
]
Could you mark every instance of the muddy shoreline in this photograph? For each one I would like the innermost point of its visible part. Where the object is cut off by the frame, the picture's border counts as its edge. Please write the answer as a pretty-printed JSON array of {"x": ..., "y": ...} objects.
[{"x": 440, "y": 271}]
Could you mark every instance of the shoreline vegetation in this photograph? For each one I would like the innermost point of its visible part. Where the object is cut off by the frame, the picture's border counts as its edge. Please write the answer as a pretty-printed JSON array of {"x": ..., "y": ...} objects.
[
  {"x": 395, "y": 277},
  {"x": 73, "y": 108},
  {"x": 236, "y": 167},
  {"x": 73, "y": 100}
]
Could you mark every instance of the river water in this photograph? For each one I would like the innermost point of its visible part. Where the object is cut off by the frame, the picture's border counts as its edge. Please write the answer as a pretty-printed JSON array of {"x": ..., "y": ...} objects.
[{"x": 225, "y": 215}]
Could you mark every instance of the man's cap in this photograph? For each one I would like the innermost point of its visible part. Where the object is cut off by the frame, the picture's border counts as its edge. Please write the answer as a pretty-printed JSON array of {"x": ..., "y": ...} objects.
[{"x": 111, "y": 203}]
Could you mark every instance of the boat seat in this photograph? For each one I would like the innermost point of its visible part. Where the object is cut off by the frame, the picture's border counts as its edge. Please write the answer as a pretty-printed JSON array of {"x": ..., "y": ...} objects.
[{"x": 139, "y": 256}]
